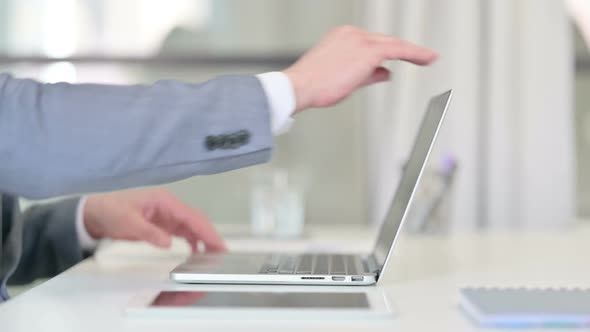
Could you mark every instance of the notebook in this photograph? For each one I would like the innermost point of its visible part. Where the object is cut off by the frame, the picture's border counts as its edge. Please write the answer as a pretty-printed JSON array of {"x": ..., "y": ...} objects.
[{"x": 527, "y": 307}]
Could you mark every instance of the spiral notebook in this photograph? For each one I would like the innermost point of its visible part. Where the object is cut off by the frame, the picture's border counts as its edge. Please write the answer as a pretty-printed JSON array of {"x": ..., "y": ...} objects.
[{"x": 527, "y": 307}]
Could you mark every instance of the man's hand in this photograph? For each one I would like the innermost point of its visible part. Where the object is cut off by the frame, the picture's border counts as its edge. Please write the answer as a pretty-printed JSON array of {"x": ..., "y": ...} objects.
[
  {"x": 153, "y": 216},
  {"x": 347, "y": 59}
]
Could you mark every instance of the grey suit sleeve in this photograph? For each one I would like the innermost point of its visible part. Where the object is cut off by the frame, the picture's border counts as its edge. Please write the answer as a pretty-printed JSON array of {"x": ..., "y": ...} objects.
[
  {"x": 60, "y": 139},
  {"x": 50, "y": 243}
]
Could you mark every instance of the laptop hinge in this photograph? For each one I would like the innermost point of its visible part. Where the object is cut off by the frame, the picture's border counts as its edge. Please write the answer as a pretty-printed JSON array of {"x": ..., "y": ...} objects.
[{"x": 372, "y": 266}]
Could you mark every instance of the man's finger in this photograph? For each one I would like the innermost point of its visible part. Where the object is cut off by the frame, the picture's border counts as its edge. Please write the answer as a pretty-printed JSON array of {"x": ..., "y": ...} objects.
[
  {"x": 165, "y": 219},
  {"x": 196, "y": 223},
  {"x": 381, "y": 74},
  {"x": 144, "y": 230},
  {"x": 188, "y": 235},
  {"x": 406, "y": 51}
]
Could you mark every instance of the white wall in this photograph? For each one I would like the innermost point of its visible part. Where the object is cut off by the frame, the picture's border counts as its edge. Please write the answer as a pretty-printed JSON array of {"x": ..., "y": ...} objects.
[{"x": 510, "y": 123}]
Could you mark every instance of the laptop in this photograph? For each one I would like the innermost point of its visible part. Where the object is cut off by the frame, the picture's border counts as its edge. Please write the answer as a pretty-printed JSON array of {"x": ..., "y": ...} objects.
[{"x": 324, "y": 268}]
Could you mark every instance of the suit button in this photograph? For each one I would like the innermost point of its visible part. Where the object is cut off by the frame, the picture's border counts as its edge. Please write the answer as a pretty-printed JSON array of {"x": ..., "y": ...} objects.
[
  {"x": 211, "y": 143},
  {"x": 234, "y": 141},
  {"x": 243, "y": 137},
  {"x": 224, "y": 142}
]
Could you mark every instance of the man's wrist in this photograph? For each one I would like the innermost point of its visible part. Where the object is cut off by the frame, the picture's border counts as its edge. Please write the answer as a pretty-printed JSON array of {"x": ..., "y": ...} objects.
[
  {"x": 281, "y": 100},
  {"x": 302, "y": 98},
  {"x": 87, "y": 242}
]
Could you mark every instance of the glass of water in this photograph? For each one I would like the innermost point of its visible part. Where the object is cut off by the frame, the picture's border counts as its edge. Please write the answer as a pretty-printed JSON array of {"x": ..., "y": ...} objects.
[{"x": 277, "y": 206}]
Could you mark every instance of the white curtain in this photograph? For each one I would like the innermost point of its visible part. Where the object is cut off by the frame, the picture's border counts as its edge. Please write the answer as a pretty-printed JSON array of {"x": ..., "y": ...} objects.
[
  {"x": 580, "y": 12},
  {"x": 510, "y": 126}
]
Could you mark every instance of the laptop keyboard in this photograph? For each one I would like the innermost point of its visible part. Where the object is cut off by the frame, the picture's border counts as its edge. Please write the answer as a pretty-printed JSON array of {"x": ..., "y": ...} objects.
[{"x": 312, "y": 264}]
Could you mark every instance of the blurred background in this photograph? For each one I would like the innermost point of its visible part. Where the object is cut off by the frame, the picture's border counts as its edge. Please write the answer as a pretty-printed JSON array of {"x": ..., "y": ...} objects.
[{"x": 514, "y": 153}]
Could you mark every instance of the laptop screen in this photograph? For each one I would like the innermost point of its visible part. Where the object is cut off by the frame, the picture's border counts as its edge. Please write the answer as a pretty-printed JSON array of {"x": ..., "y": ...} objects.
[{"x": 410, "y": 177}]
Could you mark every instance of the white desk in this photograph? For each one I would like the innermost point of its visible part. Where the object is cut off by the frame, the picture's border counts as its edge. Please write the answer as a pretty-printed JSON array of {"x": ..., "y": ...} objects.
[{"x": 421, "y": 283}]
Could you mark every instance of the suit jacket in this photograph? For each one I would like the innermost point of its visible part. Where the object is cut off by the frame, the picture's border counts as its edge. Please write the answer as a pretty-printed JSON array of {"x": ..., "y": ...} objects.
[
  {"x": 58, "y": 139},
  {"x": 50, "y": 244}
]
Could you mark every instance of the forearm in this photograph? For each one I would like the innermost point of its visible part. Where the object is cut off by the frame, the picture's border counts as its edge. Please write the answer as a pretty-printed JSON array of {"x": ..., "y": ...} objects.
[
  {"x": 50, "y": 242},
  {"x": 61, "y": 139}
]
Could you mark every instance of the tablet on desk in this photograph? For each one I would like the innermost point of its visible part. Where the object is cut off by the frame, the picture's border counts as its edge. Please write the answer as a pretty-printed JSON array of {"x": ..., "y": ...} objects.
[
  {"x": 263, "y": 300},
  {"x": 259, "y": 304}
]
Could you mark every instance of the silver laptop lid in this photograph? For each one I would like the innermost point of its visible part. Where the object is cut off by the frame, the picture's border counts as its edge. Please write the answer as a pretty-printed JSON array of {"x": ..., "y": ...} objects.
[{"x": 412, "y": 172}]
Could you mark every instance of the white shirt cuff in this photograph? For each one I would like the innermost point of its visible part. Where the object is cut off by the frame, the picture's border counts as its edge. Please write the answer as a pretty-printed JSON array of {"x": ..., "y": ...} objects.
[
  {"x": 281, "y": 100},
  {"x": 86, "y": 241}
]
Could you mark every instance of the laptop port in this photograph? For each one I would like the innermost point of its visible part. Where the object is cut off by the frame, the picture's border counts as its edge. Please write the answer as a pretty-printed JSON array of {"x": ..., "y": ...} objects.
[
  {"x": 357, "y": 278},
  {"x": 312, "y": 278},
  {"x": 338, "y": 278}
]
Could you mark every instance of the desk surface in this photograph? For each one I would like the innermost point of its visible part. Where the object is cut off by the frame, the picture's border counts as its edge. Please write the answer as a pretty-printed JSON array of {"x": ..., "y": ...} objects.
[{"x": 421, "y": 282}]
